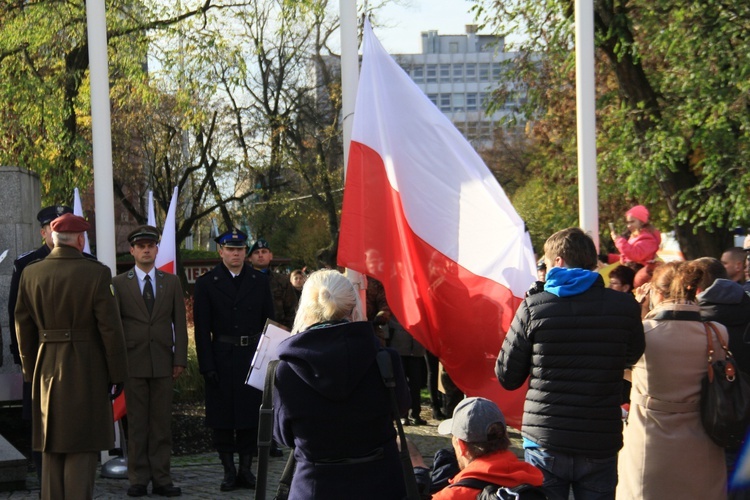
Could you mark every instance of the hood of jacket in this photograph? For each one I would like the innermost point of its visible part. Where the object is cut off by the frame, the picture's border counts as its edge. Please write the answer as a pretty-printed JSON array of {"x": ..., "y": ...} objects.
[
  {"x": 722, "y": 291},
  {"x": 565, "y": 282},
  {"x": 502, "y": 468},
  {"x": 331, "y": 358}
]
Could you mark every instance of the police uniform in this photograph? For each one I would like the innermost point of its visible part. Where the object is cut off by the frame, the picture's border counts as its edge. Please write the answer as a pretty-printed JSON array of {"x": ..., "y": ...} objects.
[
  {"x": 229, "y": 314},
  {"x": 72, "y": 350},
  {"x": 156, "y": 342},
  {"x": 285, "y": 300}
]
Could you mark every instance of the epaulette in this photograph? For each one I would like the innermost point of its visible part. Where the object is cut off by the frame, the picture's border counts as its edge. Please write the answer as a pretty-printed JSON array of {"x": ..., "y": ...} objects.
[
  {"x": 26, "y": 254},
  {"x": 33, "y": 262}
]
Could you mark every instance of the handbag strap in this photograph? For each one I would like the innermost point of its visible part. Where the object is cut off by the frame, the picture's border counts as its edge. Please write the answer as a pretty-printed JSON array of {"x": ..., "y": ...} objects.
[
  {"x": 713, "y": 332},
  {"x": 385, "y": 365}
]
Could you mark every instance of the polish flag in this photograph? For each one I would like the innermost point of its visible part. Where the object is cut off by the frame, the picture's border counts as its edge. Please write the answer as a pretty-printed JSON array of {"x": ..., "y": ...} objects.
[
  {"x": 166, "y": 259},
  {"x": 78, "y": 210},
  {"x": 151, "y": 221},
  {"x": 425, "y": 216}
]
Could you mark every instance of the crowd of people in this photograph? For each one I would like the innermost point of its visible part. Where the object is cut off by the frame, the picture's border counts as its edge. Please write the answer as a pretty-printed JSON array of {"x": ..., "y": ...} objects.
[{"x": 612, "y": 366}]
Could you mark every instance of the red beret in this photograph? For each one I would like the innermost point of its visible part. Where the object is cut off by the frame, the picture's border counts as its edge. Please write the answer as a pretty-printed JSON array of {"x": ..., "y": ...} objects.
[{"x": 69, "y": 223}]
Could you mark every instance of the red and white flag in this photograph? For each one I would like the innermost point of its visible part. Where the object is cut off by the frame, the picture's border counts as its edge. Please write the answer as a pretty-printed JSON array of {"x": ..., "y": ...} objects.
[
  {"x": 166, "y": 259},
  {"x": 151, "y": 220},
  {"x": 425, "y": 216},
  {"x": 78, "y": 210}
]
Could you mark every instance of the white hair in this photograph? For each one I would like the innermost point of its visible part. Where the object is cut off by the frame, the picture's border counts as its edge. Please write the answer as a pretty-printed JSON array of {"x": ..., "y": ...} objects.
[
  {"x": 327, "y": 296},
  {"x": 64, "y": 238}
]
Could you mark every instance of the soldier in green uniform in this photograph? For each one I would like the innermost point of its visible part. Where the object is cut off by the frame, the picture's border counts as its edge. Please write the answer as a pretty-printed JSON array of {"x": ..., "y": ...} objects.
[{"x": 73, "y": 352}]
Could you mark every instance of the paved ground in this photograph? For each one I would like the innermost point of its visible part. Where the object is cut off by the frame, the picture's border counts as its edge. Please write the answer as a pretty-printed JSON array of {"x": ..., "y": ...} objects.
[{"x": 199, "y": 476}]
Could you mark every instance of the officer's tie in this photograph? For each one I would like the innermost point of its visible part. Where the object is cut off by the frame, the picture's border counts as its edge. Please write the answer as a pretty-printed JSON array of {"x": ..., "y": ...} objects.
[{"x": 148, "y": 294}]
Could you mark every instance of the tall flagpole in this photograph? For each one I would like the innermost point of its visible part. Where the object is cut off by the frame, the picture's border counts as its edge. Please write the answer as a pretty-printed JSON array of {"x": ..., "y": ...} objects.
[
  {"x": 588, "y": 205},
  {"x": 101, "y": 133},
  {"x": 349, "y": 82}
]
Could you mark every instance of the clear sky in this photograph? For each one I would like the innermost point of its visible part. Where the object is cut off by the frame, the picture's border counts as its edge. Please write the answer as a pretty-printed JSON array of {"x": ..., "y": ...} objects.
[{"x": 401, "y": 25}]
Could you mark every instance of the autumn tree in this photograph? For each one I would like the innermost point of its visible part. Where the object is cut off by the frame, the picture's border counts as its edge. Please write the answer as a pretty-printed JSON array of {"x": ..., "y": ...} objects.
[{"x": 672, "y": 107}]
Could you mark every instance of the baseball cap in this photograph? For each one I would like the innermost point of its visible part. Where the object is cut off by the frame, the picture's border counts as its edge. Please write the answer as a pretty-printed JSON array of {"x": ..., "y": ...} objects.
[{"x": 471, "y": 420}]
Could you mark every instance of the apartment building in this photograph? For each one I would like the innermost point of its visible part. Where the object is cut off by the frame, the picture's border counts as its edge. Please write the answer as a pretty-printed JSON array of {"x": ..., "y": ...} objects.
[{"x": 458, "y": 74}]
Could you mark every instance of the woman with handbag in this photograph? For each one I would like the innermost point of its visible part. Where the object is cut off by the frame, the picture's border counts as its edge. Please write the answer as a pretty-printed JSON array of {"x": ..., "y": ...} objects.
[
  {"x": 331, "y": 404},
  {"x": 666, "y": 451}
]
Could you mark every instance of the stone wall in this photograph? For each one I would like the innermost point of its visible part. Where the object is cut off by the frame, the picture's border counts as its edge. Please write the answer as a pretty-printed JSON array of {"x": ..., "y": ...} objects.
[{"x": 20, "y": 201}]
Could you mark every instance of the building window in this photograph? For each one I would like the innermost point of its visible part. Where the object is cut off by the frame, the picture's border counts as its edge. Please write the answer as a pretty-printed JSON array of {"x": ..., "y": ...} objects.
[
  {"x": 497, "y": 71},
  {"x": 471, "y": 72},
  {"x": 458, "y": 102},
  {"x": 417, "y": 73},
  {"x": 445, "y": 102},
  {"x": 484, "y": 72},
  {"x": 453, "y": 47},
  {"x": 458, "y": 72},
  {"x": 471, "y": 102},
  {"x": 433, "y": 98},
  {"x": 431, "y": 73},
  {"x": 445, "y": 72}
]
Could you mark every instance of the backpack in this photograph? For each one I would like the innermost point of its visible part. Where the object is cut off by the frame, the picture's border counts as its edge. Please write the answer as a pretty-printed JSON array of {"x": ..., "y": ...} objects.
[{"x": 492, "y": 491}]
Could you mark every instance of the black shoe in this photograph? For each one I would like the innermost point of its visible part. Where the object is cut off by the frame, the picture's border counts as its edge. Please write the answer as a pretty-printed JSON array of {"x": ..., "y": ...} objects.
[
  {"x": 437, "y": 414},
  {"x": 419, "y": 420},
  {"x": 245, "y": 476},
  {"x": 246, "y": 479},
  {"x": 168, "y": 490},
  {"x": 137, "y": 490},
  {"x": 229, "y": 483},
  {"x": 405, "y": 421}
]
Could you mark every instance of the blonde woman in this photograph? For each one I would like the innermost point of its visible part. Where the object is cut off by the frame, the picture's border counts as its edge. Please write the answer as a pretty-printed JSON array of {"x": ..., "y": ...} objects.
[
  {"x": 330, "y": 401},
  {"x": 666, "y": 452}
]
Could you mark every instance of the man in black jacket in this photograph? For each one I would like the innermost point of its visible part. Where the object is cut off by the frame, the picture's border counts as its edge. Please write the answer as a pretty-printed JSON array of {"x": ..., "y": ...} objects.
[
  {"x": 573, "y": 338},
  {"x": 724, "y": 301},
  {"x": 232, "y": 303}
]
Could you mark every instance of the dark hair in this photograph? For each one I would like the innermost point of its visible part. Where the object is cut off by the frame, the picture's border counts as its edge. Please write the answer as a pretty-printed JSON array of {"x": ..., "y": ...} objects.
[
  {"x": 736, "y": 253},
  {"x": 574, "y": 246},
  {"x": 497, "y": 440},
  {"x": 625, "y": 274},
  {"x": 663, "y": 277},
  {"x": 712, "y": 269},
  {"x": 686, "y": 280}
]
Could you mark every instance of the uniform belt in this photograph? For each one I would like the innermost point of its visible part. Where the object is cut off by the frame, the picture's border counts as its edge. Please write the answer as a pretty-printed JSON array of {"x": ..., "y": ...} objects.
[
  {"x": 667, "y": 406},
  {"x": 243, "y": 341},
  {"x": 376, "y": 454},
  {"x": 66, "y": 335}
]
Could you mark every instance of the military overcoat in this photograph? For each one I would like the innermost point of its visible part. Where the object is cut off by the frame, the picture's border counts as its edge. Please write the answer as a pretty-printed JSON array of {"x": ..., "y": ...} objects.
[
  {"x": 224, "y": 313},
  {"x": 72, "y": 347}
]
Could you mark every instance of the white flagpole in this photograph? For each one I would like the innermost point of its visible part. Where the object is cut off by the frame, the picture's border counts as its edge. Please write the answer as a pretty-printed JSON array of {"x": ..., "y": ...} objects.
[
  {"x": 102, "y": 134},
  {"x": 349, "y": 82},
  {"x": 588, "y": 206}
]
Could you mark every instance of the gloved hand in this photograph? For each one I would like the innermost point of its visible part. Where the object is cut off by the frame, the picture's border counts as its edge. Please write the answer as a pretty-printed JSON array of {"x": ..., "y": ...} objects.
[
  {"x": 115, "y": 390},
  {"x": 212, "y": 377}
]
